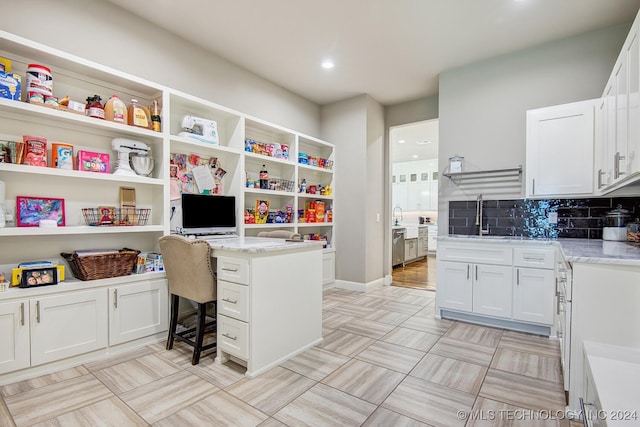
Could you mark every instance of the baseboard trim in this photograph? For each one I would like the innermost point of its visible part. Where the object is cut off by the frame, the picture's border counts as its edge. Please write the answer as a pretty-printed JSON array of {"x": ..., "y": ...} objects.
[{"x": 359, "y": 286}]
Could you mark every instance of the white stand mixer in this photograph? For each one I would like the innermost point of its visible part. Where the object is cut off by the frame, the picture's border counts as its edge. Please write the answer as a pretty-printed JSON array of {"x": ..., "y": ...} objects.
[{"x": 124, "y": 147}]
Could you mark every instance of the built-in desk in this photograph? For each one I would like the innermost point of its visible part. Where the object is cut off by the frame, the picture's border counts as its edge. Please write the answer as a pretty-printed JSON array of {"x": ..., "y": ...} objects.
[{"x": 269, "y": 300}]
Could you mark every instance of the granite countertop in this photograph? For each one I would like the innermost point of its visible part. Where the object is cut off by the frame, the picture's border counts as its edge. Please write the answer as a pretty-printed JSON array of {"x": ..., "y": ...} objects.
[
  {"x": 574, "y": 250},
  {"x": 261, "y": 244}
]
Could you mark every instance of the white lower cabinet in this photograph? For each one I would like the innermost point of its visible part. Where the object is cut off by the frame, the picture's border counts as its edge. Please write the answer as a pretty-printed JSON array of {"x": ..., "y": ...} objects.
[
  {"x": 410, "y": 249},
  {"x": 14, "y": 329},
  {"x": 138, "y": 310},
  {"x": 497, "y": 281},
  {"x": 67, "y": 325},
  {"x": 533, "y": 295},
  {"x": 328, "y": 267},
  {"x": 477, "y": 288}
]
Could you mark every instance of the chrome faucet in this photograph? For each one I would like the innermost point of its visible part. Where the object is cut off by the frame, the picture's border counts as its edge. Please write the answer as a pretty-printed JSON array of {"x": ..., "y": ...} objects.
[
  {"x": 481, "y": 231},
  {"x": 393, "y": 214}
]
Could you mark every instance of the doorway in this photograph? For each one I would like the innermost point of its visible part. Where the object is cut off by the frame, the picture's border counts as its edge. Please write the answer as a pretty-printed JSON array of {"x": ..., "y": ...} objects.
[{"x": 414, "y": 201}]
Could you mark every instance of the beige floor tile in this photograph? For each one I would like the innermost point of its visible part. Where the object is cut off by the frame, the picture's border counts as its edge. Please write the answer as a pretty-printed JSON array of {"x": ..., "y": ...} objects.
[
  {"x": 390, "y": 317},
  {"x": 427, "y": 324},
  {"x": 411, "y": 338},
  {"x": 402, "y": 307},
  {"x": 464, "y": 351},
  {"x": 370, "y": 301},
  {"x": 367, "y": 328},
  {"x": 489, "y": 413},
  {"x": 451, "y": 373},
  {"x": 390, "y": 291},
  {"x": 475, "y": 334},
  {"x": 345, "y": 343},
  {"x": 168, "y": 395},
  {"x": 391, "y": 356},
  {"x": 383, "y": 417},
  {"x": 529, "y": 364},
  {"x": 340, "y": 295},
  {"x": 181, "y": 353},
  {"x": 221, "y": 375},
  {"x": 353, "y": 310},
  {"x": 218, "y": 409},
  {"x": 43, "y": 403},
  {"x": 530, "y": 343},
  {"x": 429, "y": 403},
  {"x": 324, "y": 406},
  {"x": 6, "y": 420},
  {"x": 107, "y": 412},
  {"x": 272, "y": 422},
  {"x": 272, "y": 390},
  {"x": 333, "y": 319},
  {"x": 42, "y": 381},
  {"x": 315, "y": 363},
  {"x": 135, "y": 373},
  {"x": 364, "y": 380},
  {"x": 522, "y": 391},
  {"x": 423, "y": 298},
  {"x": 122, "y": 357}
]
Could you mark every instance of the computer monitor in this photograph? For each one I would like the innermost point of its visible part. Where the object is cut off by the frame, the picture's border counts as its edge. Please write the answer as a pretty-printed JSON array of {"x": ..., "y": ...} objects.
[{"x": 208, "y": 214}]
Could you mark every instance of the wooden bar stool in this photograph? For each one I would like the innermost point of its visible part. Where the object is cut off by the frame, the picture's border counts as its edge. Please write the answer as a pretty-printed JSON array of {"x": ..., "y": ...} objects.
[{"x": 187, "y": 264}]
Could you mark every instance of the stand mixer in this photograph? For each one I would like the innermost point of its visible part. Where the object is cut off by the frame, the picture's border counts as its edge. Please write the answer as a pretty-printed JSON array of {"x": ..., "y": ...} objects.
[
  {"x": 200, "y": 129},
  {"x": 125, "y": 148}
]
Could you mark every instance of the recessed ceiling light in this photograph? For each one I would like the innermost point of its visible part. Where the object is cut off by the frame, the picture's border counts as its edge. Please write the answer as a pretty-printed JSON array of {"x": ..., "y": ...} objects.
[
  {"x": 401, "y": 141},
  {"x": 415, "y": 156},
  {"x": 328, "y": 64},
  {"x": 425, "y": 142}
]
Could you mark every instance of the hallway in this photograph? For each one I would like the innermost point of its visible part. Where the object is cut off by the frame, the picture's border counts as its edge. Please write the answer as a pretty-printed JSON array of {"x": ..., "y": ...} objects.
[{"x": 418, "y": 275}]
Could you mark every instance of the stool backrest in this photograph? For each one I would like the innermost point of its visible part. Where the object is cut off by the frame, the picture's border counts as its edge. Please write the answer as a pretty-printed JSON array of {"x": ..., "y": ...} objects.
[{"x": 187, "y": 264}]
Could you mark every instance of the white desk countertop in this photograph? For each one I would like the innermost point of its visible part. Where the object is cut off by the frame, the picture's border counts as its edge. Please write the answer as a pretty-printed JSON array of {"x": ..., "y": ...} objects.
[{"x": 261, "y": 244}]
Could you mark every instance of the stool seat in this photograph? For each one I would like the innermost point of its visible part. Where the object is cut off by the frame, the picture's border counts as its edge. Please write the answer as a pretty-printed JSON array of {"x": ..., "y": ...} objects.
[{"x": 187, "y": 264}]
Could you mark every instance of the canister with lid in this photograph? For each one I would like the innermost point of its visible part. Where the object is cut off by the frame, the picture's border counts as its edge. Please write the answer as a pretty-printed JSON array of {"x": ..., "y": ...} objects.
[
  {"x": 615, "y": 224},
  {"x": 39, "y": 79}
]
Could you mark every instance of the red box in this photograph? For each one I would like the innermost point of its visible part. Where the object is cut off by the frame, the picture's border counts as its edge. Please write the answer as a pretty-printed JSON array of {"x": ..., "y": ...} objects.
[{"x": 90, "y": 161}]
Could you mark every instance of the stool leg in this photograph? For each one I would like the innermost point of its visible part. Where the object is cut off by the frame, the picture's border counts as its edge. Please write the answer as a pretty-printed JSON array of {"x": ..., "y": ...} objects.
[
  {"x": 173, "y": 322},
  {"x": 202, "y": 315}
]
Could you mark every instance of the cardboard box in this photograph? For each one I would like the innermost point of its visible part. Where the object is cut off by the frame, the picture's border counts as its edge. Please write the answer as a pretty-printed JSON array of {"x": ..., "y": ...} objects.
[
  {"x": 10, "y": 86},
  {"x": 61, "y": 155},
  {"x": 90, "y": 161}
]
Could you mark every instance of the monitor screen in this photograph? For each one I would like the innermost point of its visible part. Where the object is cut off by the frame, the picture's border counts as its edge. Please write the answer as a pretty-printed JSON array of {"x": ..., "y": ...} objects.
[{"x": 208, "y": 214}]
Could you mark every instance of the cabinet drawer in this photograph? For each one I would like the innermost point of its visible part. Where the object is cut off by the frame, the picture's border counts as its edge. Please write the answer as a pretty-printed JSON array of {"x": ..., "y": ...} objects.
[
  {"x": 487, "y": 253},
  {"x": 233, "y": 337},
  {"x": 233, "y": 300},
  {"x": 234, "y": 270},
  {"x": 534, "y": 257}
]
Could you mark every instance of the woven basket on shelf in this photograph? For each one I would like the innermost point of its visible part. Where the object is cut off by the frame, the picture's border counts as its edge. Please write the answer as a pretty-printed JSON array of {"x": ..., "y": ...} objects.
[{"x": 102, "y": 266}]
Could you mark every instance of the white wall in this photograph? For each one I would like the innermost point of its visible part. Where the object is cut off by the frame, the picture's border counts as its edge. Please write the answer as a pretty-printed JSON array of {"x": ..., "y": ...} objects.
[
  {"x": 101, "y": 32},
  {"x": 344, "y": 124},
  {"x": 375, "y": 184},
  {"x": 482, "y": 106}
]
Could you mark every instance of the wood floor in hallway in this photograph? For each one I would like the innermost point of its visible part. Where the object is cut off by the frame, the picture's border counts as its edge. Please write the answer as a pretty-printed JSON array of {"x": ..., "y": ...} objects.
[{"x": 419, "y": 274}]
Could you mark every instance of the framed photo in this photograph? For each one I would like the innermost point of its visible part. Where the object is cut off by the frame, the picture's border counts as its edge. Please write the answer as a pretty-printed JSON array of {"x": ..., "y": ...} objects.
[
  {"x": 31, "y": 210},
  {"x": 39, "y": 277}
]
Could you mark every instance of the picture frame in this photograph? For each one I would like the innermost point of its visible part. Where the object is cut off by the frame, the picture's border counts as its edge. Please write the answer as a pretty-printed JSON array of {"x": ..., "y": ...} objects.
[
  {"x": 31, "y": 210},
  {"x": 39, "y": 277}
]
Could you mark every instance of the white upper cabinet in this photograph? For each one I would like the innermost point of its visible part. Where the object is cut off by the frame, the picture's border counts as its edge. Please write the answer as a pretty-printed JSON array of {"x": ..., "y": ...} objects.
[{"x": 559, "y": 151}]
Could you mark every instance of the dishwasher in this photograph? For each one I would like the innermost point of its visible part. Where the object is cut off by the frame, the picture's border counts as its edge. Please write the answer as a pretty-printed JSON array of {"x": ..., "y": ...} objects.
[{"x": 397, "y": 247}]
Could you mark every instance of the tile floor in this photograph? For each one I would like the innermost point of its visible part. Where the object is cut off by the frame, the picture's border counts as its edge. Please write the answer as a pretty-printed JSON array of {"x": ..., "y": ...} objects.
[{"x": 384, "y": 361}]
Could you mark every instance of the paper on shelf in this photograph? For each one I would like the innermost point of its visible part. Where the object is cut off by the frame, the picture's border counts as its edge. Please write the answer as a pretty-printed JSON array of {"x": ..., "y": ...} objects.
[{"x": 203, "y": 178}]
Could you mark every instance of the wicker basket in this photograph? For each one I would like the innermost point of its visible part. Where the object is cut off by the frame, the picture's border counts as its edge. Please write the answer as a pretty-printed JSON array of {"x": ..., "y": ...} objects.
[
  {"x": 115, "y": 216},
  {"x": 102, "y": 266}
]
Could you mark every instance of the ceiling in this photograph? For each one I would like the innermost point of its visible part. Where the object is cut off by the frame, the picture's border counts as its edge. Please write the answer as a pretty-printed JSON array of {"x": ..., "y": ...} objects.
[
  {"x": 393, "y": 50},
  {"x": 415, "y": 141}
]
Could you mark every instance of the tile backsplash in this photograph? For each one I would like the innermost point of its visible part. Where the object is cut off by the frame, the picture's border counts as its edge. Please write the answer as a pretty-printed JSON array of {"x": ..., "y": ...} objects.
[{"x": 578, "y": 218}]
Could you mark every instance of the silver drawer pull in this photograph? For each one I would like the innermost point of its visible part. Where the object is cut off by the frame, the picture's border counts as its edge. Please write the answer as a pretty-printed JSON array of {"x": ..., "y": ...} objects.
[
  {"x": 533, "y": 258},
  {"x": 231, "y": 301},
  {"x": 583, "y": 411},
  {"x": 229, "y": 336},
  {"x": 233, "y": 270},
  {"x": 22, "y": 314}
]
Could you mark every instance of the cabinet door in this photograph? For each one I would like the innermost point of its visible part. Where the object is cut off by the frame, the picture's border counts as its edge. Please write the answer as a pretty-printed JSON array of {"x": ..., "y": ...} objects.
[
  {"x": 14, "y": 330},
  {"x": 328, "y": 267},
  {"x": 633, "y": 125},
  {"x": 456, "y": 290},
  {"x": 603, "y": 167},
  {"x": 492, "y": 290},
  {"x": 533, "y": 295},
  {"x": 138, "y": 310},
  {"x": 559, "y": 149},
  {"x": 67, "y": 325}
]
